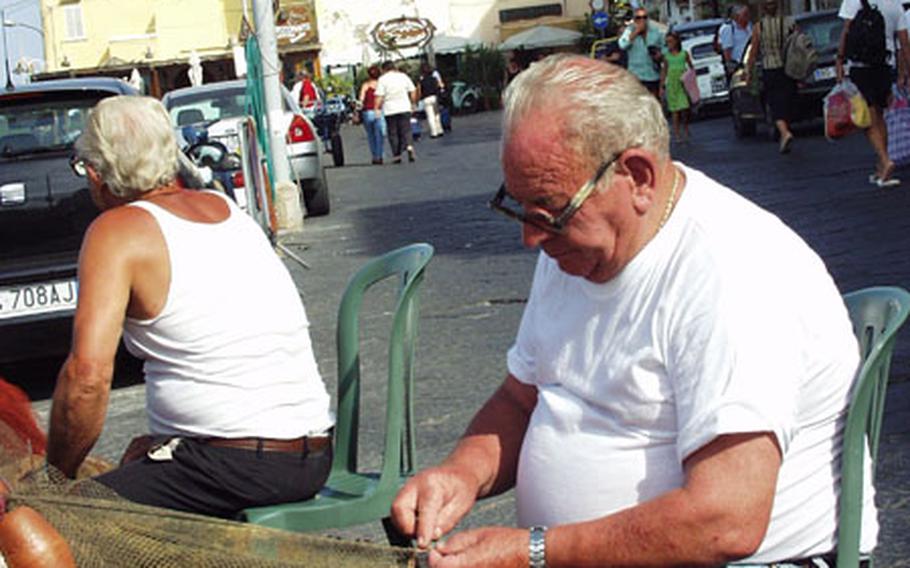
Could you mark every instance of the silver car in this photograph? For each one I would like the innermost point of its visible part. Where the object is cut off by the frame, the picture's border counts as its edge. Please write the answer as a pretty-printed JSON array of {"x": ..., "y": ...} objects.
[{"x": 218, "y": 105}]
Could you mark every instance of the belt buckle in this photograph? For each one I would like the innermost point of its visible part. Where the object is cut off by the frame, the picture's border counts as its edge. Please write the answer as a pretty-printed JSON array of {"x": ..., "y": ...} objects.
[{"x": 164, "y": 451}]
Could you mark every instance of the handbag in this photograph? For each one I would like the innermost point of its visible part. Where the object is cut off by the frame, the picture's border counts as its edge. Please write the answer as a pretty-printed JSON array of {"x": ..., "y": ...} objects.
[
  {"x": 897, "y": 120},
  {"x": 690, "y": 84}
]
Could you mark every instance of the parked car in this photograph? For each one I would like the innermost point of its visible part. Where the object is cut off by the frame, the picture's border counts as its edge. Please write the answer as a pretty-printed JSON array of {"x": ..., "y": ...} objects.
[
  {"x": 698, "y": 41},
  {"x": 749, "y": 107},
  {"x": 221, "y": 106},
  {"x": 44, "y": 211},
  {"x": 709, "y": 69}
]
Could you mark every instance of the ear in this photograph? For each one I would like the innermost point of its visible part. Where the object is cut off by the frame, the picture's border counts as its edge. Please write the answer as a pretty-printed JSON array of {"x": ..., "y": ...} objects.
[{"x": 642, "y": 172}]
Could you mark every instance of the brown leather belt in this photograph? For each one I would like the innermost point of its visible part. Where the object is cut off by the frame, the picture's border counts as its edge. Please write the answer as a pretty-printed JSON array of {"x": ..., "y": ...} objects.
[{"x": 296, "y": 446}]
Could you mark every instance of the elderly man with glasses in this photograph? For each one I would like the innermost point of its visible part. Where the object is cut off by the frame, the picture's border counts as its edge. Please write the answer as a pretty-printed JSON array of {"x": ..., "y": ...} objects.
[
  {"x": 676, "y": 388},
  {"x": 644, "y": 45}
]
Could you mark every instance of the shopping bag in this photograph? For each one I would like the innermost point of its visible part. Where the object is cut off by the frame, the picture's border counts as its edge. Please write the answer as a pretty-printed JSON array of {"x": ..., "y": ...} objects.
[
  {"x": 690, "y": 83},
  {"x": 897, "y": 119},
  {"x": 859, "y": 110},
  {"x": 844, "y": 107}
]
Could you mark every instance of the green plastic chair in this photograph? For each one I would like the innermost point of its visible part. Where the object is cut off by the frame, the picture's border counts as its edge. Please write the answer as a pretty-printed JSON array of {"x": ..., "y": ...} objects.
[
  {"x": 352, "y": 497},
  {"x": 877, "y": 314}
]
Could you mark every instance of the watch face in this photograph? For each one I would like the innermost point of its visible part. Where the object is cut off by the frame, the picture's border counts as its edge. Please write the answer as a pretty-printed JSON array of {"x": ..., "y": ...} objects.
[{"x": 597, "y": 5}]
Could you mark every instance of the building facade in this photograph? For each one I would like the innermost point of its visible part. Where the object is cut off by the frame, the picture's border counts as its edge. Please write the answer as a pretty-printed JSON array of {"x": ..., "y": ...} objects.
[
  {"x": 345, "y": 26},
  {"x": 159, "y": 39}
]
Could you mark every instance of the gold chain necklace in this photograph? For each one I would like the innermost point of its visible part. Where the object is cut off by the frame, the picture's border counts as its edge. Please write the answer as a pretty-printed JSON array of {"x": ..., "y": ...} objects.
[{"x": 672, "y": 200}]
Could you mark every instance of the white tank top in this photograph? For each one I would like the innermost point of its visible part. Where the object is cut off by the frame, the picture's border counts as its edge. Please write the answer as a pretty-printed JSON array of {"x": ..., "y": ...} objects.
[{"x": 230, "y": 354}]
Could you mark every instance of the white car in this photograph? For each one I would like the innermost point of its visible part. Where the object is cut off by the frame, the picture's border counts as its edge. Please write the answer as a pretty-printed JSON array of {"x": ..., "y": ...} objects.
[
  {"x": 218, "y": 105},
  {"x": 709, "y": 68}
]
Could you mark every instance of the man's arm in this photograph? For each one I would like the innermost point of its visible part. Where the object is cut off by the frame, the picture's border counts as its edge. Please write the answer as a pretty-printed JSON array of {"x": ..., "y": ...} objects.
[
  {"x": 725, "y": 37},
  {"x": 903, "y": 68},
  {"x": 625, "y": 40},
  {"x": 842, "y": 51},
  {"x": 483, "y": 463},
  {"x": 720, "y": 514},
  {"x": 83, "y": 385}
]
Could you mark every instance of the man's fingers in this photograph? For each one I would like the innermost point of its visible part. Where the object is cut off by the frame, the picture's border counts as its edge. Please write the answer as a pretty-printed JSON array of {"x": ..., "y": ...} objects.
[
  {"x": 427, "y": 513},
  {"x": 404, "y": 510},
  {"x": 449, "y": 515}
]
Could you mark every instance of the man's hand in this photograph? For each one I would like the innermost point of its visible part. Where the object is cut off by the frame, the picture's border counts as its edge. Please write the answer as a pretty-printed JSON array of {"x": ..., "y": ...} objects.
[
  {"x": 432, "y": 502},
  {"x": 495, "y": 547}
]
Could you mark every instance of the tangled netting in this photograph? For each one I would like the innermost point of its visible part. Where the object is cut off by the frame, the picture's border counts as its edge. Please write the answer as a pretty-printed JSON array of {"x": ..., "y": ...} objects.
[{"x": 102, "y": 529}]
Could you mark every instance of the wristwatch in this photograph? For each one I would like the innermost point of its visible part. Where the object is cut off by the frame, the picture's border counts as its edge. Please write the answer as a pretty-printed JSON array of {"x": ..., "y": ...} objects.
[{"x": 537, "y": 547}]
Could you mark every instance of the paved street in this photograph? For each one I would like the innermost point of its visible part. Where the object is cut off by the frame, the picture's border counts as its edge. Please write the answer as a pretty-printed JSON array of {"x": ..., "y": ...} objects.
[{"x": 478, "y": 281}]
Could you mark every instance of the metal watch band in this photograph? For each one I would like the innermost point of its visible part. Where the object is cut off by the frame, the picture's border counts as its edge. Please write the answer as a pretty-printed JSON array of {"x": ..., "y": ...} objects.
[{"x": 537, "y": 547}]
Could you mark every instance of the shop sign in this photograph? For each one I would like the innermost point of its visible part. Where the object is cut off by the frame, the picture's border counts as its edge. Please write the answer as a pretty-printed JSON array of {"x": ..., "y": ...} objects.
[
  {"x": 295, "y": 23},
  {"x": 403, "y": 32}
]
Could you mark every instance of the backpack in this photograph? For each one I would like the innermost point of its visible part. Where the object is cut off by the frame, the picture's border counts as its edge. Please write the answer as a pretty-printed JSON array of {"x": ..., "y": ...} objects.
[
  {"x": 866, "y": 37},
  {"x": 800, "y": 57}
]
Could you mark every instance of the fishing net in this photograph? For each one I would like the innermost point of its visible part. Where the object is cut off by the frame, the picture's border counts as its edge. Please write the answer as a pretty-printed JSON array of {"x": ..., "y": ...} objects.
[{"x": 104, "y": 530}]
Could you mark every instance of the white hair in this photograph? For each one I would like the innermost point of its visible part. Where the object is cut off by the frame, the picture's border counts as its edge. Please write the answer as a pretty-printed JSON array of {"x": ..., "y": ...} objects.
[
  {"x": 602, "y": 108},
  {"x": 130, "y": 142}
]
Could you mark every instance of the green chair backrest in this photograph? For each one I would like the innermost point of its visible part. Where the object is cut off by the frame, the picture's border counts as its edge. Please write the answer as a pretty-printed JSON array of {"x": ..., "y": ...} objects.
[
  {"x": 877, "y": 314},
  {"x": 399, "y": 448}
]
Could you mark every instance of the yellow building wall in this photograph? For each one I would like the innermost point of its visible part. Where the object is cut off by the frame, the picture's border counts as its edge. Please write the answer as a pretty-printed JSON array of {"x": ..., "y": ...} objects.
[{"x": 140, "y": 31}]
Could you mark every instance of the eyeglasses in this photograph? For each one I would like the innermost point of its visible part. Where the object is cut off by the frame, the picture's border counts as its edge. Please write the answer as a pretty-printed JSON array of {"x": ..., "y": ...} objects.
[
  {"x": 542, "y": 219},
  {"x": 79, "y": 166},
  {"x": 641, "y": 17}
]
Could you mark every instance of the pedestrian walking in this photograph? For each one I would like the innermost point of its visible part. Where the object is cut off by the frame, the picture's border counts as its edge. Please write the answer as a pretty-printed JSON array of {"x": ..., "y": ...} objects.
[
  {"x": 395, "y": 95},
  {"x": 676, "y": 61},
  {"x": 371, "y": 114},
  {"x": 643, "y": 44},
  {"x": 872, "y": 61},
  {"x": 431, "y": 86},
  {"x": 304, "y": 91},
  {"x": 735, "y": 36},
  {"x": 768, "y": 38}
]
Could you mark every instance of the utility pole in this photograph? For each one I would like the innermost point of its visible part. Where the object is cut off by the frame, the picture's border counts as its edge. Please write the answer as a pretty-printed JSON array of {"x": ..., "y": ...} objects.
[{"x": 290, "y": 215}]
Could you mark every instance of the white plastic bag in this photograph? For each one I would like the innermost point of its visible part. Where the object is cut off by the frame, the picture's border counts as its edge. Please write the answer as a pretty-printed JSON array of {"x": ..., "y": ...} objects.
[{"x": 845, "y": 110}]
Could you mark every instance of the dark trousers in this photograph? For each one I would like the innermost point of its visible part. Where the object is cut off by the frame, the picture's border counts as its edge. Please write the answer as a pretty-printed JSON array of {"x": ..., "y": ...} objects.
[
  {"x": 780, "y": 92},
  {"x": 219, "y": 481},
  {"x": 399, "y": 126}
]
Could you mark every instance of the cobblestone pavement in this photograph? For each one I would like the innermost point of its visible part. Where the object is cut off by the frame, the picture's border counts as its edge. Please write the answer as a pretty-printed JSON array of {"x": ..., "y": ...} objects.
[{"x": 479, "y": 278}]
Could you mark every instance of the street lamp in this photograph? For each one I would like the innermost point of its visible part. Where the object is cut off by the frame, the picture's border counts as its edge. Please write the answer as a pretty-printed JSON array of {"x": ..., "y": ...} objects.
[
  {"x": 11, "y": 24},
  {"x": 9, "y": 77}
]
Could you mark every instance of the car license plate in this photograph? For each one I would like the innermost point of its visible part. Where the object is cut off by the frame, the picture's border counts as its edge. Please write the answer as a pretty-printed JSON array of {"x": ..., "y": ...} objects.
[
  {"x": 31, "y": 299},
  {"x": 824, "y": 73},
  {"x": 718, "y": 84}
]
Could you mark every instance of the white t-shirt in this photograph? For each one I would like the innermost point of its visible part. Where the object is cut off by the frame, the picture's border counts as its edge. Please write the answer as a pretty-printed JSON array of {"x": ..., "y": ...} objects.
[
  {"x": 229, "y": 355},
  {"x": 893, "y": 14},
  {"x": 395, "y": 87},
  {"x": 726, "y": 322}
]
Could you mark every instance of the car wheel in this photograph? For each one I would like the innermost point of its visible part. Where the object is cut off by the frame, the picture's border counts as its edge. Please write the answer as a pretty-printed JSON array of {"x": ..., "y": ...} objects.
[
  {"x": 337, "y": 150},
  {"x": 316, "y": 196},
  {"x": 743, "y": 128}
]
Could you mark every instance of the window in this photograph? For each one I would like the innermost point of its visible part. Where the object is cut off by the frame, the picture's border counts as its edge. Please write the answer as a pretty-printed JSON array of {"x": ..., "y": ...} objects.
[
  {"x": 529, "y": 13},
  {"x": 72, "y": 16}
]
